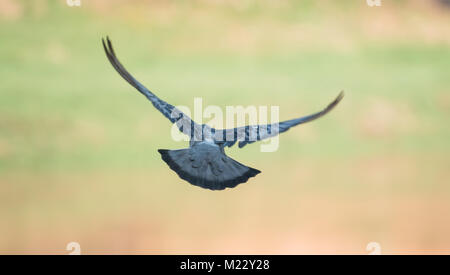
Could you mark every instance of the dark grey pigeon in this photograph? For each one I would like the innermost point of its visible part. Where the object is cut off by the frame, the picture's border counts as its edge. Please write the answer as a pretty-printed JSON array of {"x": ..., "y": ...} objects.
[{"x": 205, "y": 163}]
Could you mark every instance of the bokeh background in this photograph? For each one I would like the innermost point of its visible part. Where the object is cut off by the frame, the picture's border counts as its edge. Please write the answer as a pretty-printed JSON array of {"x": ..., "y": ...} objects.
[{"x": 78, "y": 145}]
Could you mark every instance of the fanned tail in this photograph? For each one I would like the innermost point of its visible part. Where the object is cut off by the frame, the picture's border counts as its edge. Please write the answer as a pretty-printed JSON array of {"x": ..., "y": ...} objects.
[{"x": 206, "y": 166}]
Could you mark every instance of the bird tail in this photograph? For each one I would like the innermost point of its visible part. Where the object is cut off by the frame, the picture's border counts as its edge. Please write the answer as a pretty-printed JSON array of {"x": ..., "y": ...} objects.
[{"x": 207, "y": 166}]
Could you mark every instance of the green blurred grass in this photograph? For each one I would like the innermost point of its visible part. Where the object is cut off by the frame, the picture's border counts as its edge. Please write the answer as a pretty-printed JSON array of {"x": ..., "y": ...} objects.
[{"x": 76, "y": 141}]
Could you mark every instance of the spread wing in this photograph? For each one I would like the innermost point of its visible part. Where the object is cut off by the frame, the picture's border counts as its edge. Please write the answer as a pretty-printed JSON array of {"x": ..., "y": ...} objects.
[
  {"x": 252, "y": 133},
  {"x": 169, "y": 111}
]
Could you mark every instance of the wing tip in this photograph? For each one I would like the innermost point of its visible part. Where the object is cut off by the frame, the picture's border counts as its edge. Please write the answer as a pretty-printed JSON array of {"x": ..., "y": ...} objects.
[
  {"x": 334, "y": 103},
  {"x": 340, "y": 96},
  {"x": 107, "y": 45}
]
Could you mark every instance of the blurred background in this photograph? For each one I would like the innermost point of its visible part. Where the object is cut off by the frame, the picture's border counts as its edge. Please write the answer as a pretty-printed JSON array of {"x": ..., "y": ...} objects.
[{"x": 78, "y": 145}]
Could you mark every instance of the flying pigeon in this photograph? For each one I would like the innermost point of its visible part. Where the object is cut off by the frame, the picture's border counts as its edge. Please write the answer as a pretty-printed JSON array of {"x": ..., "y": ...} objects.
[{"x": 205, "y": 163}]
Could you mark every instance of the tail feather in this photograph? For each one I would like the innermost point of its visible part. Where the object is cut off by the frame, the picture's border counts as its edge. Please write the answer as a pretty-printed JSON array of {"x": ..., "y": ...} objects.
[{"x": 206, "y": 166}]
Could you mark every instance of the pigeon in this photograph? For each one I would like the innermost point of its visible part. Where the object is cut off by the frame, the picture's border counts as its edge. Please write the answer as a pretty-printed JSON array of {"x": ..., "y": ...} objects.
[{"x": 205, "y": 163}]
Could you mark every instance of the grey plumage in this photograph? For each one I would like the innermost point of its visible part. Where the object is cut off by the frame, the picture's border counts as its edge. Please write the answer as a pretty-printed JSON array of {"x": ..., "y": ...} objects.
[
  {"x": 205, "y": 163},
  {"x": 207, "y": 166}
]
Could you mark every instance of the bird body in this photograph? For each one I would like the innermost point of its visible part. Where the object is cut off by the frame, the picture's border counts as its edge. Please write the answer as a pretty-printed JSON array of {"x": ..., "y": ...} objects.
[{"x": 205, "y": 163}]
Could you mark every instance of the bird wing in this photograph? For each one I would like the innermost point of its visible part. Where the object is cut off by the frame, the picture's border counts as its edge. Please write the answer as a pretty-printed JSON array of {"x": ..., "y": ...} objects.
[
  {"x": 169, "y": 111},
  {"x": 252, "y": 133}
]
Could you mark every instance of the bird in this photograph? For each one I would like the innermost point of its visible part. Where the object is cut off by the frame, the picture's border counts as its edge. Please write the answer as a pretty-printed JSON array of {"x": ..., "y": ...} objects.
[{"x": 204, "y": 163}]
